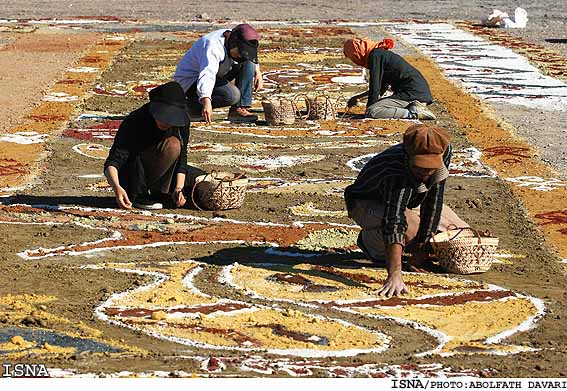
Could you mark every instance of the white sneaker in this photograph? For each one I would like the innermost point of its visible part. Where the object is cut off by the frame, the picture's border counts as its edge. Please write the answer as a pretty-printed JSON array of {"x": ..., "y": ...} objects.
[
  {"x": 144, "y": 203},
  {"x": 419, "y": 109}
]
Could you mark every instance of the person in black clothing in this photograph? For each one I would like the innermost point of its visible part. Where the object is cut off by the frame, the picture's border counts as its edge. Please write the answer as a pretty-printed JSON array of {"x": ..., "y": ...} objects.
[
  {"x": 148, "y": 159},
  {"x": 389, "y": 70}
]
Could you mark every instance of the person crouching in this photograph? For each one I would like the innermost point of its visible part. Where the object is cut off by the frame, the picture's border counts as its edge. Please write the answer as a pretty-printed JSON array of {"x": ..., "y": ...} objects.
[
  {"x": 147, "y": 162},
  {"x": 410, "y": 90},
  {"x": 397, "y": 200}
]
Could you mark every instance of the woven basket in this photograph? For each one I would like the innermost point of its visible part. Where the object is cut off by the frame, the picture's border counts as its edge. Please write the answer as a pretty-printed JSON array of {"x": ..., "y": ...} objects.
[
  {"x": 322, "y": 107},
  {"x": 279, "y": 111},
  {"x": 219, "y": 191},
  {"x": 464, "y": 250}
]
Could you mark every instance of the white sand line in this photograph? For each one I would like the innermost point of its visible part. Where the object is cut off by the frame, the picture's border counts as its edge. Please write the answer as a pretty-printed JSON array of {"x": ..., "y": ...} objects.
[
  {"x": 69, "y": 21},
  {"x": 62, "y": 97},
  {"x": 58, "y": 251},
  {"x": 24, "y": 138},
  {"x": 83, "y": 70},
  {"x": 537, "y": 183},
  {"x": 90, "y": 146},
  {"x": 261, "y": 164},
  {"x": 490, "y": 71}
]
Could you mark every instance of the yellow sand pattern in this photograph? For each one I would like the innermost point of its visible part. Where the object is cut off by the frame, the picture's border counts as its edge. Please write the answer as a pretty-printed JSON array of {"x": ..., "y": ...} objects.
[
  {"x": 286, "y": 57},
  {"x": 18, "y": 347},
  {"x": 14, "y": 308},
  {"x": 328, "y": 239},
  {"x": 260, "y": 280},
  {"x": 232, "y": 328},
  {"x": 468, "y": 325},
  {"x": 258, "y": 325},
  {"x": 309, "y": 209},
  {"x": 168, "y": 294}
]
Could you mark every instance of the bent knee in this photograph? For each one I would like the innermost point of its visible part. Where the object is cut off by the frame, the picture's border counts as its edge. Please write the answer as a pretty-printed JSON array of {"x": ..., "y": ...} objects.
[
  {"x": 234, "y": 97},
  {"x": 172, "y": 147}
]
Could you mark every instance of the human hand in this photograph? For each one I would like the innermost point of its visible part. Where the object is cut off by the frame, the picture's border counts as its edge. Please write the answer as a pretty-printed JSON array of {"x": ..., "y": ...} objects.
[
  {"x": 122, "y": 198},
  {"x": 258, "y": 81},
  {"x": 178, "y": 197},
  {"x": 207, "y": 110},
  {"x": 394, "y": 286},
  {"x": 352, "y": 102}
]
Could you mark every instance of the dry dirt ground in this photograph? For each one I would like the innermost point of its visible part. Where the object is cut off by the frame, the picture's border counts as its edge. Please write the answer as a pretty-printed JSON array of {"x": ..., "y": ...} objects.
[{"x": 277, "y": 287}]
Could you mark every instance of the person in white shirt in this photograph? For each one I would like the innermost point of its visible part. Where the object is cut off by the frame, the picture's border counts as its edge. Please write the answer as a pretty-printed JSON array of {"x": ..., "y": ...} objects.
[{"x": 205, "y": 73}]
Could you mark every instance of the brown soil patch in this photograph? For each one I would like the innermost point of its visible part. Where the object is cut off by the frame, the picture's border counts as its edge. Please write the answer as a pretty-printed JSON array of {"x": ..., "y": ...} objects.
[
  {"x": 42, "y": 57},
  {"x": 48, "y": 117}
]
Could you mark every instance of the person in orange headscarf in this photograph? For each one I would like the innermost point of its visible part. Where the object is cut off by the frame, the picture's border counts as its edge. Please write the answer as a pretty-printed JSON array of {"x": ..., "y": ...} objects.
[{"x": 410, "y": 91}]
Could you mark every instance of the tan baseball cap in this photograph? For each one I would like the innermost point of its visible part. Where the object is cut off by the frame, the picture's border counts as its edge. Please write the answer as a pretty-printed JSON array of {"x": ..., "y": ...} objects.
[{"x": 425, "y": 145}]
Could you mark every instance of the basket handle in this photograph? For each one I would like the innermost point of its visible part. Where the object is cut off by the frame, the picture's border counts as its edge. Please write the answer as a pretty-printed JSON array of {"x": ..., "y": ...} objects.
[
  {"x": 193, "y": 196},
  {"x": 305, "y": 98},
  {"x": 212, "y": 174},
  {"x": 328, "y": 105},
  {"x": 342, "y": 98},
  {"x": 461, "y": 229}
]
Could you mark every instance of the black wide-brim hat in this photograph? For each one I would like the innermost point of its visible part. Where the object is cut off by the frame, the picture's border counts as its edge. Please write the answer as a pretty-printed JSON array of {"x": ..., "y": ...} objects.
[{"x": 167, "y": 104}]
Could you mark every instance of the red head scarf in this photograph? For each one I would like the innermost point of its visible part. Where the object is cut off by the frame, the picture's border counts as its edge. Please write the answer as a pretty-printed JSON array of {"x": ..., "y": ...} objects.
[{"x": 358, "y": 49}]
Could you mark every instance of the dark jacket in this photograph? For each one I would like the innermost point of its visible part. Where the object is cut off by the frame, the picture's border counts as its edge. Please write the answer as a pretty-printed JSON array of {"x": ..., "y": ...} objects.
[
  {"x": 387, "y": 68},
  {"x": 138, "y": 132}
]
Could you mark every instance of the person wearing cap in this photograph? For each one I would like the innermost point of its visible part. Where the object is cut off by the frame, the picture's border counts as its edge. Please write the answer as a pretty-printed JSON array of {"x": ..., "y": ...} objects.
[
  {"x": 410, "y": 90},
  {"x": 206, "y": 70},
  {"x": 148, "y": 159},
  {"x": 397, "y": 200}
]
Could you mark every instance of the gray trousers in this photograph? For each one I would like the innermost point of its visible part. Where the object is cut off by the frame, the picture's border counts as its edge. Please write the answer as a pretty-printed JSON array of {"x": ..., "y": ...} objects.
[
  {"x": 369, "y": 215},
  {"x": 389, "y": 108}
]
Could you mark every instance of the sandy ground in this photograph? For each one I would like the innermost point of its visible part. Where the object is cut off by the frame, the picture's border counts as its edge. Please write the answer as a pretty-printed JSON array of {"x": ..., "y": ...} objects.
[
  {"x": 547, "y": 19},
  {"x": 43, "y": 57},
  {"x": 487, "y": 203}
]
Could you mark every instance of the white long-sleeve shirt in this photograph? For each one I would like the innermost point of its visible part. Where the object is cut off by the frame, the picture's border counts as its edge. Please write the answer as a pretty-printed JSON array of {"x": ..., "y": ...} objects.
[{"x": 201, "y": 64}]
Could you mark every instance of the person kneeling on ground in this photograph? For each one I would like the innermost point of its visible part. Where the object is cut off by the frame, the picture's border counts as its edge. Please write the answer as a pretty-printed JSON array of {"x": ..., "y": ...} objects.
[
  {"x": 148, "y": 159},
  {"x": 387, "y": 69},
  {"x": 397, "y": 200},
  {"x": 211, "y": 63}
]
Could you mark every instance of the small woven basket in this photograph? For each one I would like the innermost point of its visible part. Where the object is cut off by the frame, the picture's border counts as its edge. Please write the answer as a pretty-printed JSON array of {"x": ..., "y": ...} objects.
[
  {"x": 322, "y": 107},
  {"x": 279, "y": 111},
  {"x": 219, "y": 191},
  {"x": 464, "y": 250}
]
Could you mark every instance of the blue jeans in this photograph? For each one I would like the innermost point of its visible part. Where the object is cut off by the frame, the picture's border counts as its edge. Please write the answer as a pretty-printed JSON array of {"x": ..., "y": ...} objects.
[
  {"x": 225, "y": 93},
  {"x": 243, "y": 73}
]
